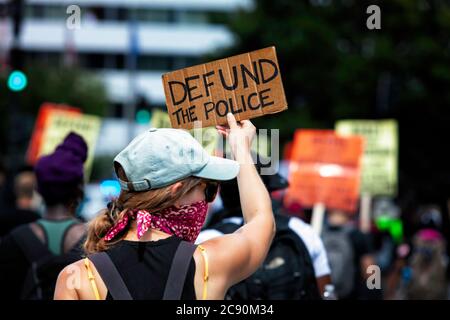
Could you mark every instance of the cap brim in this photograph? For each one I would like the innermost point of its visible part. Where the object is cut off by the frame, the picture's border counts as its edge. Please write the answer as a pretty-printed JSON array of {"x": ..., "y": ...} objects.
[{"x": 219, "y": 169}]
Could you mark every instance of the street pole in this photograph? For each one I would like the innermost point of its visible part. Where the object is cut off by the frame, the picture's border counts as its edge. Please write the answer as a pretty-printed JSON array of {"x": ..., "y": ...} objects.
[
  {"x": 130, "y": 110},
  {"x": 15, "y": 130}
]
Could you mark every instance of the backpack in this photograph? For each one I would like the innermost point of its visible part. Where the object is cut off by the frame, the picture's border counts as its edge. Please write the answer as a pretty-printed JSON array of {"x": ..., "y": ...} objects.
[
  {"x": 40, "y": 281},
  {"x": 286, "y": 273},
  {"x": 341, "y": 258},
  {"x": 427, "y": 267},
  {"x": 174, "y": 284}
]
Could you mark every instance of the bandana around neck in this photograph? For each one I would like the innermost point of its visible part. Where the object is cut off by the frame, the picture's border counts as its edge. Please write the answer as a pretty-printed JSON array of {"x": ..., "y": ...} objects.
[{"x": 184, "y": 222}]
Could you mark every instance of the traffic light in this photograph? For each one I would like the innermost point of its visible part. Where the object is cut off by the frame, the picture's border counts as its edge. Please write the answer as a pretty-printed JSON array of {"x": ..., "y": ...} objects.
[
  {"x": 143, "y": 116},
  {"x": 17, "y": 81},
  {"x": 143, "y": 110}
]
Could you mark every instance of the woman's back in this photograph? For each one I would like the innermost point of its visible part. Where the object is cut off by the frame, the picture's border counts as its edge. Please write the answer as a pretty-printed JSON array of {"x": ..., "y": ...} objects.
[
  {"x": 167, "y": 193},
  {"x": 144, "y": 267}
]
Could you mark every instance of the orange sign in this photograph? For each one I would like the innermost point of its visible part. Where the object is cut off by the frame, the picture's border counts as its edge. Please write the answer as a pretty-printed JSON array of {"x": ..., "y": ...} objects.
[
  {"x": 44, "y": 113},
  {"x": 325, "y": 168}
]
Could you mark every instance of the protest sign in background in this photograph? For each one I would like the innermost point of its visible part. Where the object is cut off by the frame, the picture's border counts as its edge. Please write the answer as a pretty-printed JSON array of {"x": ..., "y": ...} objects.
[
  {"x": 325, "y": 168},
  {"x": 380, "y": 160},
  {"x": 36, "y": 139},
  {"x": 248, "y": 85},
  {"x": 58, "y": 123},
  {"x": 160, "y": 119}
]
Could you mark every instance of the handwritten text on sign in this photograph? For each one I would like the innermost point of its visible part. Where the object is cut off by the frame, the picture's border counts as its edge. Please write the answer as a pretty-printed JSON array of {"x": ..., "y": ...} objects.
[{"x": 248, "y": 85}]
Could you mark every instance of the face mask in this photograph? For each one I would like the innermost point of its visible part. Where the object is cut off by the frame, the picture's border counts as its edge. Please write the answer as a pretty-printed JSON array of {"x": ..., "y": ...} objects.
[{"x": 184, "y": 222}]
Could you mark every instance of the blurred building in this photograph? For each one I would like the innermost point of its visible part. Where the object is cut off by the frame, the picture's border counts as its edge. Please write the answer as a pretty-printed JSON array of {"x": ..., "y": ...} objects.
[{"x": 170, "y": 34}]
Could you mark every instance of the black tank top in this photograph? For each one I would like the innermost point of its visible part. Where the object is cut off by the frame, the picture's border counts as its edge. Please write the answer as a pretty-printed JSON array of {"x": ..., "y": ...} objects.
[{"x": 144, "y": 267}]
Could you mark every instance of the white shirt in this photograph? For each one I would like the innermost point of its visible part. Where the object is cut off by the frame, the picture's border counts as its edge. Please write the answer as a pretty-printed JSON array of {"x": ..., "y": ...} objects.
[{"x": 312, "y": 242}]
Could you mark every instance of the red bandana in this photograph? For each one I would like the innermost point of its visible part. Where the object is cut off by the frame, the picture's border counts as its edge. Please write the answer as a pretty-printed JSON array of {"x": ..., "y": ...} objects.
[{"x": 184, "y": 222}]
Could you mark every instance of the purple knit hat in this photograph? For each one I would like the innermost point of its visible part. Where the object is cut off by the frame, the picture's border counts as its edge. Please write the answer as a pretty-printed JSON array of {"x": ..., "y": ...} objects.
[{"x": 58, "y": 173}]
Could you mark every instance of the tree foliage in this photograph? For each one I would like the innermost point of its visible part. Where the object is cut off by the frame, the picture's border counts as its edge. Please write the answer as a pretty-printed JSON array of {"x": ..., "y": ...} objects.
[
  {"x": 46, "y": 83},
  {"x": 333, "y": 67}
]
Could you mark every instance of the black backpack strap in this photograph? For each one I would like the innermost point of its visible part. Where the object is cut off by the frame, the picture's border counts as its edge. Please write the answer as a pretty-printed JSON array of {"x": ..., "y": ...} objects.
[
  {"x": 75, "y": 222},
  {"x": 110, "y": 276},
  {"x": 283, "y": 230},
  {"x": 34, "y": 251},
  {"x": 178, "y": 271},
  {"x": 282, "y": 222},
  {"x": 30, "y": 244}
]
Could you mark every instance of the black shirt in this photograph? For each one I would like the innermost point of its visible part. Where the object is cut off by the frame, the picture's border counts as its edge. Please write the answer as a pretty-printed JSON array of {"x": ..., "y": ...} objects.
[
  {"x": 13, "y": 269},
  {"x": 362, "y": 246},
  {"x": 14, "y": 266},
  {"x": 144, "y": 267},
  {"x": 10, "y": 219}
]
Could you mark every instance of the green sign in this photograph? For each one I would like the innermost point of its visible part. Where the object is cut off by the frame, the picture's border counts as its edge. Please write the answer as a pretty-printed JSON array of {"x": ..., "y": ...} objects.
[{"x": 379, "y": 167}]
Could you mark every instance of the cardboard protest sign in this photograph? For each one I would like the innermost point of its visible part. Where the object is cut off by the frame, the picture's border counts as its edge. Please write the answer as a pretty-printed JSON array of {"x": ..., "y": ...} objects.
[
  {"x": 208, "y": 137},
  {"x": 248, "y": 85},
  {"x": 36, "y": 139},
  {"x": 325, "y": 168},
  {"x": 58, "y": 126},
  {"x": 379, "y": 164}
]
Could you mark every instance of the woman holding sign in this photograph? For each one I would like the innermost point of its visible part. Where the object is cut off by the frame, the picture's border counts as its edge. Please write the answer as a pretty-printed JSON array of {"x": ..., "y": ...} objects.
[{"x": 141, "y": 247}]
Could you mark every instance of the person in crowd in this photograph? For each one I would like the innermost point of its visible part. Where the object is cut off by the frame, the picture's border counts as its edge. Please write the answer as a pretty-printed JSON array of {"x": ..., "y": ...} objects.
[
  {"x": 427, "y": 264},
  {"x": 32, "y": 255},
  {"x": 296, "y": 239},
  {"x": 141, "y": 247},
  {"x": 3, "y": 179},
  {"x": 27, "y": 202},
  {"x": 350, "y": 254}
]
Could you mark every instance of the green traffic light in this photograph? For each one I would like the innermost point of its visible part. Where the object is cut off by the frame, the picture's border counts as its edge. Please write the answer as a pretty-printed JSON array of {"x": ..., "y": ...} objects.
[
  {"x": 17, "y": 81},
  {"x": 143, "y": 117}
]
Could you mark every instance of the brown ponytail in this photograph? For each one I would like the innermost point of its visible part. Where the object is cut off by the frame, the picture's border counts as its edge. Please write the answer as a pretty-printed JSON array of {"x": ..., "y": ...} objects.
[{"x": 152, "y": 200}]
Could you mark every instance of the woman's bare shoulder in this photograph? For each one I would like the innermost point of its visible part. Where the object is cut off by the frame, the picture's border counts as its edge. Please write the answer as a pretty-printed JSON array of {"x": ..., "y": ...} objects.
[
  {"x": 71, "y": 269},
  {"x": 70, "y": 281}
]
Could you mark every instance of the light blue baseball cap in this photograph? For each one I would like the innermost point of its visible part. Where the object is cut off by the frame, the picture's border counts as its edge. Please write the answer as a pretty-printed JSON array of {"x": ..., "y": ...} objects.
[{"x": 160, "y": 157}]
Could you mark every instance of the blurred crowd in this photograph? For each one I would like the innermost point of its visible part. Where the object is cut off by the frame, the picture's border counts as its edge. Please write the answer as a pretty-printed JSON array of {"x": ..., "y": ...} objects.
[{"x": 341, "y": 263}]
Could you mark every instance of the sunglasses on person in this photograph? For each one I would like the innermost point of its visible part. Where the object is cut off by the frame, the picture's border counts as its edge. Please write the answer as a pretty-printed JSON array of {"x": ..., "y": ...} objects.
[{"x": 211, "y": 190}]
